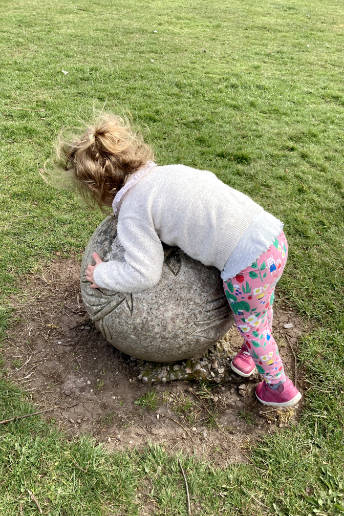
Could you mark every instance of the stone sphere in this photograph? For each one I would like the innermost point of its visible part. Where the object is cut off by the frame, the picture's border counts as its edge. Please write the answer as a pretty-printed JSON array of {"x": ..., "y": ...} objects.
[{"x": 179, "y": 318}]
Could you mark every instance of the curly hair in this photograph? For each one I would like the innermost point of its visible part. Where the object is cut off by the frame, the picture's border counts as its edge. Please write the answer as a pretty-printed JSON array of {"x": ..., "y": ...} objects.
[{"x": 102, "y": 158}]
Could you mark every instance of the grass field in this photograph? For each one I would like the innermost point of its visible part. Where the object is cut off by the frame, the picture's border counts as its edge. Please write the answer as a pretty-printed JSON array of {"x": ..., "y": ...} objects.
[{"x": 251, "y": 90}]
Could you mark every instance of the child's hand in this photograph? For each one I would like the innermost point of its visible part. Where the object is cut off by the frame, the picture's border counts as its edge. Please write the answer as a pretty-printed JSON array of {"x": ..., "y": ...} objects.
[{"x": 90, "y": 270}]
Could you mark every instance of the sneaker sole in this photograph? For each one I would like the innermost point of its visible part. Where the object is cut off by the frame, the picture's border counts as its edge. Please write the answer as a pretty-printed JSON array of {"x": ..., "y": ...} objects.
[
  {"x": 240, "y": 373},
  {"x": 289, "y": 403}
]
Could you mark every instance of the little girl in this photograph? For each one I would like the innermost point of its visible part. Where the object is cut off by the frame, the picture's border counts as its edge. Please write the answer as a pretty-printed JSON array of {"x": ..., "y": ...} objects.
[{"x": 208, "y": 220}]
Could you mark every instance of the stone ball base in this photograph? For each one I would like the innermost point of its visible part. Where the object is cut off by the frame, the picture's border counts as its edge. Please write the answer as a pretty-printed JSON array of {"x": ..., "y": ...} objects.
[{"x": 179, "y": 318}]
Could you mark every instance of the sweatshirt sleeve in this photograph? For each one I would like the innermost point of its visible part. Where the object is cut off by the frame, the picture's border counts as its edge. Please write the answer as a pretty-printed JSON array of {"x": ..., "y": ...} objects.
[{"x": 143, "y": 258}]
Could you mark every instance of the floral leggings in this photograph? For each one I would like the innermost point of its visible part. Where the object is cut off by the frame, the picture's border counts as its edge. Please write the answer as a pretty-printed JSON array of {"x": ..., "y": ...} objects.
[{"x": 251, "y": 295}]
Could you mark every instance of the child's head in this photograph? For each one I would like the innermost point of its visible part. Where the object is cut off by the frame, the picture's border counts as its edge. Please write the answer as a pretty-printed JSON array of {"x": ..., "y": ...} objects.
[{"x": 101, "y": 159}]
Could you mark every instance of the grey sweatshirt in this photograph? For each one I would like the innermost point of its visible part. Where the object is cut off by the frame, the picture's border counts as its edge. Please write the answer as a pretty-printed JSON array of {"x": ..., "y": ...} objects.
[{"x": 192, "y": 209}]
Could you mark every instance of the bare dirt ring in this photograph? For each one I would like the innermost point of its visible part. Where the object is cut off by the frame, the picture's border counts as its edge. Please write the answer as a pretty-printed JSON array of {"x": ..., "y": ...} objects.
[{"x": 56, "y": 355}]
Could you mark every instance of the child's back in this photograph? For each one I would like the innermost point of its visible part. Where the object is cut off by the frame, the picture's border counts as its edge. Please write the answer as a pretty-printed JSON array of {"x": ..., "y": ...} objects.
[{"x": 191, "y": 209}]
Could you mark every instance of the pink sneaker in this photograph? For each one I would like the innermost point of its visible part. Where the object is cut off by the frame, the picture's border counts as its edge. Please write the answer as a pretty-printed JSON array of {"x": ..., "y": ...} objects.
[
  {"x": 242, "y": 363},
  {"x": 283, "y": 395}
]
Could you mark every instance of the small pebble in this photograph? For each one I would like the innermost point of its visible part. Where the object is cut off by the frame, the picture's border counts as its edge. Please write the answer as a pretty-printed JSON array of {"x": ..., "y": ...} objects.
[
  {"x": 287, "y": 326},
  {"x": 242, "y": 389},
  {"x": 158, "y": 416},
  {"x": 194, "y": 429},
  {"x": 189, "y": 389},
  {"x": 88, "y": 382}
]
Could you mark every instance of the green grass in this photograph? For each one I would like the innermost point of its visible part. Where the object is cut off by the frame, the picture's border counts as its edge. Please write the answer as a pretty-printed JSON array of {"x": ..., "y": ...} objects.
[
  {"x": 251, "y": 90},
  {"x": 148, "y": 400}
]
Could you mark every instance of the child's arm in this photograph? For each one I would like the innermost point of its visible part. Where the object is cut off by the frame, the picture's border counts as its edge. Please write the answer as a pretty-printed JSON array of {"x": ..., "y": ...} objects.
[
  {"x": 144, "y": 257},
  {"x": 90, "y": 270}
]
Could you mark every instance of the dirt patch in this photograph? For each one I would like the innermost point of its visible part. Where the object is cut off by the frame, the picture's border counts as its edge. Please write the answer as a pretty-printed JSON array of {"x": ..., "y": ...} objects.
[{"x": 55, "y": 353}]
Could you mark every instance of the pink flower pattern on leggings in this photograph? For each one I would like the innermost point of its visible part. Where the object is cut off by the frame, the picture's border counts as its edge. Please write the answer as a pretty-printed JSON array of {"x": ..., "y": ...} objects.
[{"x": 250, "y": 295}]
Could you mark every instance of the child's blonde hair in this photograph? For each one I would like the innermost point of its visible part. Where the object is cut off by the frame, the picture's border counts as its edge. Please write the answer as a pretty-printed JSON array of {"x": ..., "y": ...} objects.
[{"x": 101, "y": 159}]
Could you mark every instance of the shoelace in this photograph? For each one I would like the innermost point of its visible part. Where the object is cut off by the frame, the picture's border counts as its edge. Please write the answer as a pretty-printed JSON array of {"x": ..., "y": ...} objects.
[{"x": 245, "y": 354}]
